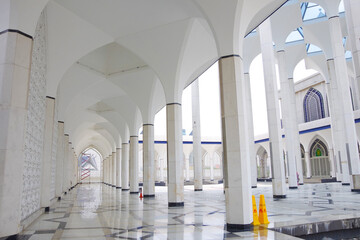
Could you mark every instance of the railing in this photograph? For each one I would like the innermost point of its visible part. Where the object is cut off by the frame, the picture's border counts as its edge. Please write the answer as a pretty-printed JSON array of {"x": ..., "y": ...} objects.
[{"x": 85, "y": 173}]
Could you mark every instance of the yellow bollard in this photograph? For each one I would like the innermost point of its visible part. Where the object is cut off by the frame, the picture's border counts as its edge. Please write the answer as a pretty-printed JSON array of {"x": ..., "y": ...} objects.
[
  {"x": 255, "y": 214},
  {"x": 262, "y": 211}
]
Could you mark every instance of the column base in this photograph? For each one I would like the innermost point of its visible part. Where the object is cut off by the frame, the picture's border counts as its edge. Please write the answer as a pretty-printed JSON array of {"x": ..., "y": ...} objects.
[
  {"x": 293, "y": 187},
  {"x": 238, "y": 227},
  {"x": 253, "y": 186},
  {"x": 134, "y": 192},
  {"x": 176, "y": 204},
  {"x": 125, "y": 189},
  {"x": 345, "y": 184},
  {"x": 47, "y": 209},
  {"x": 197, "y": 190},
  {"x": 279, "y": 196},
  {"x": 149, "y": 195}
]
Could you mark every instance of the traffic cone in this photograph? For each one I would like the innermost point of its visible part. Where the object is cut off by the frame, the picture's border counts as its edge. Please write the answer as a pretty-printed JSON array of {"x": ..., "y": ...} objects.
[
  {"x": 262, "y": 211},
  {"x": 255, "y": 214},
  {"x": 141, "y": 196}
]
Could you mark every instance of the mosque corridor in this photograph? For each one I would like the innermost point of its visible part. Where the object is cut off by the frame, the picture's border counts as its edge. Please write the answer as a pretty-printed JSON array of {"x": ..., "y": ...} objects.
[{"x": 97, "y": 211}]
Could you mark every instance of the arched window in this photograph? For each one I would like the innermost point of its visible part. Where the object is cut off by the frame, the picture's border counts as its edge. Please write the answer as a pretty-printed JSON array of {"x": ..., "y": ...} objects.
[{"x": 313, "y": 105}]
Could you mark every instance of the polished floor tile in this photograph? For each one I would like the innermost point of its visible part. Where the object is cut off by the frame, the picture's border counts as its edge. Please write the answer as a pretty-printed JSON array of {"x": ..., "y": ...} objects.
[{"x": 97, "y": 211}]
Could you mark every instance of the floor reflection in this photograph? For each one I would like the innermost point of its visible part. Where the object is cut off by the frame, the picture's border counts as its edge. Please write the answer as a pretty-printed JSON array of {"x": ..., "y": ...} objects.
[{"x": 96, "y": 211}]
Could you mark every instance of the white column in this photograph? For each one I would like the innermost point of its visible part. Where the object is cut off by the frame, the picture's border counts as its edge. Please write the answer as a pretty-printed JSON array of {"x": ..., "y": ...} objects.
[
  {"x": 59, "y": 160},
  {"x": 342, "y": 79},
  {"x": 70, "y": 167},
  {"x": 101, "y": 172},
  {"x": 15, "y": 58},
  {"x": 268, "y": 162},
  {"x": 352, "y": 11},
  {"x": 104, "y": 170},
  {"x": 251, "y": 132},
  {"x": 235, "y": 138},
  {"x": 66, "y": 163},
  {"x": 125, "y": 167},
  {"x": 308, "y": 165},
  {"x": 197, "y": 156},
  {"x": 108, "y": 160},
  {"x": 332, "y": 162},
  {"x": 337, "y": 133},
  {"x": 175, "y": 173},
  {"x": 272, "y": 103},
  {"x": 110, "y": 170},
  {"x": 74, "y": 168},
  {"x": 134, "y": 164},
  {"x": 289, "y": 122},
  {"x": 148, "y": 159},
  {"x": 47, "y": 152},
  {"x": 113, "y": 157},
  {"x": 295, "y": 130},
  {"x": 107, "y": 170},
  {"x": 118, "y": 168}
]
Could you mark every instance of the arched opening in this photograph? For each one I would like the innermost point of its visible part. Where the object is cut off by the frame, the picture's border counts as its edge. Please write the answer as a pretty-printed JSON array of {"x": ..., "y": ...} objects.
[
  {"x": 303, "y": 161},
  {"x": 312, "y": 11},
  {"x": 313, "y": 105},
  {"x": 319, "y": 159},
  {"x": 263, "y": 169},
  {"x": 89, "y": 163}
]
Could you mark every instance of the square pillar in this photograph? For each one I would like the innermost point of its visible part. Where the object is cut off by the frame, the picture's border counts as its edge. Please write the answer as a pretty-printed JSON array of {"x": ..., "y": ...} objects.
[{"x": 175, "y": 166}]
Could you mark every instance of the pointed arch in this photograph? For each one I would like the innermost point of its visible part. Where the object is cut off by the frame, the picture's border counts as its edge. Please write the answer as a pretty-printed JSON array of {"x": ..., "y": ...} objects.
[
  {"x": 313, "y": 105},
  {"x": 319, "y": 158}
]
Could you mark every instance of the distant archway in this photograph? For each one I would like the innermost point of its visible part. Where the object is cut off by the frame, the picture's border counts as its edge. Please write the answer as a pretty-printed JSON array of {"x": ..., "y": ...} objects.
[
  {"x": 89, "y": 163},
  {"x": 263, "y": 170}
]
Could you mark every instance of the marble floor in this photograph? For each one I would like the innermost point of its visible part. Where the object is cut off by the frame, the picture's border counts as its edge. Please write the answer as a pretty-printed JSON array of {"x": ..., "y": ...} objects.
[{"x": 97, "y": 211}]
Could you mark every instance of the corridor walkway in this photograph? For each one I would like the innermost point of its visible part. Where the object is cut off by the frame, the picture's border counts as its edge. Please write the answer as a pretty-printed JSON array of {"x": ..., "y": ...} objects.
[{"x": 96, "y": 211}]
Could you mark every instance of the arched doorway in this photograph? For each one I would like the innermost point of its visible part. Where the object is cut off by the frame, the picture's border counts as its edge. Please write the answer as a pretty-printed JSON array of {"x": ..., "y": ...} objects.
[
  {"x": 319, "y": 159},
  {"x": 263, "y": 169}
]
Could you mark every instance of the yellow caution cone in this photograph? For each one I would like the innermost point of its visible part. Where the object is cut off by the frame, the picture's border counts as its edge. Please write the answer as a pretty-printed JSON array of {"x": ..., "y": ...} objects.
[
  {"x": 255, "y": 214},
  {"x": 262, "y": 211}
]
